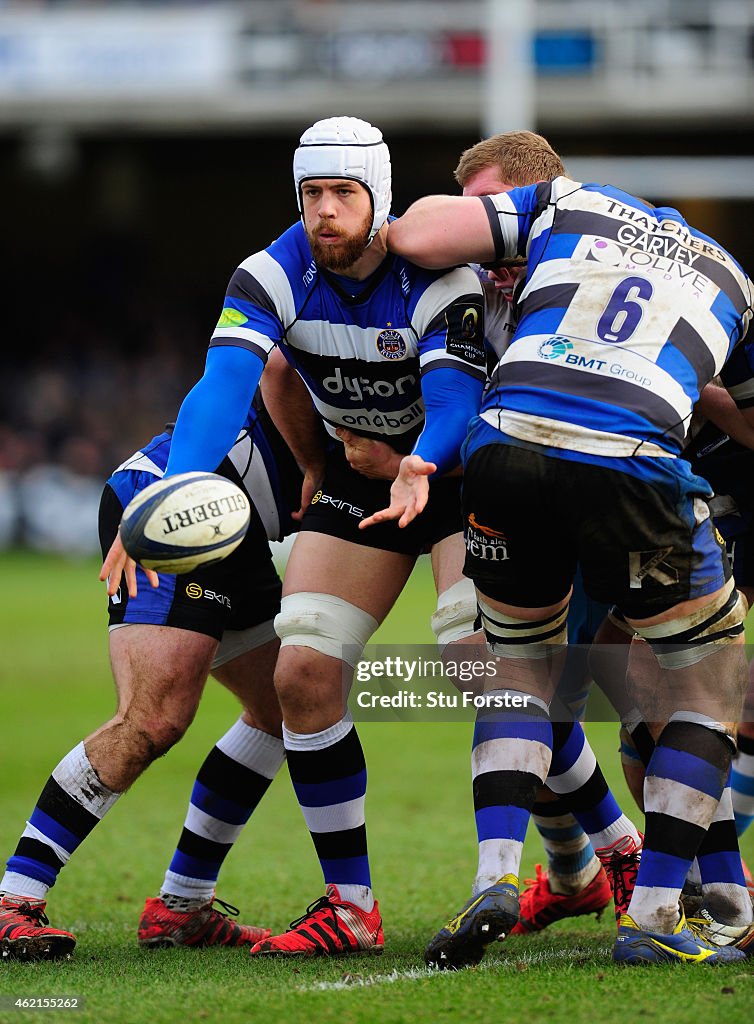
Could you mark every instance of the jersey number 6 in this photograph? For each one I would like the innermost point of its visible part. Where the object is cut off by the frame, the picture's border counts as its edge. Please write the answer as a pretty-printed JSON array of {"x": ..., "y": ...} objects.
[{"x": 623, "y": 313}]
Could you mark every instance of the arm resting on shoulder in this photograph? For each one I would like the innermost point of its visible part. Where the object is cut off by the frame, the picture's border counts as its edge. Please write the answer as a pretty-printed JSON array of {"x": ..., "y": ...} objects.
[{"x": 443, "y": 231}]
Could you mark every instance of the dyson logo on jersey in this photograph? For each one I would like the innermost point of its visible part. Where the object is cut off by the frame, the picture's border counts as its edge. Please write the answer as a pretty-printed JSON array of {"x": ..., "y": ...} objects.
[{"x": 358, "y": 387}]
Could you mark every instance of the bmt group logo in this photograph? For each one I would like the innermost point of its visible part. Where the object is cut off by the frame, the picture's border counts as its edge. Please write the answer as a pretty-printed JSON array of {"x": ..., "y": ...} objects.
[{"x": 554, "y": 347}]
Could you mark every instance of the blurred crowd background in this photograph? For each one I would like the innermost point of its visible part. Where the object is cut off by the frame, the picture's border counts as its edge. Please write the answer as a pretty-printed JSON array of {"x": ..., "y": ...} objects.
[{"x": 145, "y": 150}]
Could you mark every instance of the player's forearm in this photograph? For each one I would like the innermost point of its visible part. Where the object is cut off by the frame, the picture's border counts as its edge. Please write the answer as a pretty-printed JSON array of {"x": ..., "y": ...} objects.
[
  {"x": 214, "y": 410},
  {"x": 717, "y": 405},
  {"x": 442, "y": 231},
  {"x": 450, "y": 400}
]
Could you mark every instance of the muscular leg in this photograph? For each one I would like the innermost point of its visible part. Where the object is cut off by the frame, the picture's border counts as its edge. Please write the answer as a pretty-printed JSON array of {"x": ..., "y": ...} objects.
[
  {"x": 742, "y": 773},
  {"x": 511, "y": 752},
  {"x": 159, "y": 675},
  {"x": 686, "y": 775},
  {"x": 718, "y": 866},
  {"x": 512, "y": 747},
  {"x": 625, "y": 671},
  {"x": 325, "y": 758},
  {"x": 231, "y": 782}
]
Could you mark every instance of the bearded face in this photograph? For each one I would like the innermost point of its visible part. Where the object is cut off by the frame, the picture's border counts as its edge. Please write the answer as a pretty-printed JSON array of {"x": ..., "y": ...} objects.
[{"x": 336, "y": 248}]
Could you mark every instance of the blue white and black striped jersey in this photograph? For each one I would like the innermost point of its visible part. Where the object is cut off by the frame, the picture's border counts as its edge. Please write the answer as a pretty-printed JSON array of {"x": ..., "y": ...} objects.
[
  {"x": 361, "y": 348},
  {"x": 266, "y": 471},
  {"x": 626, "y": 314}
]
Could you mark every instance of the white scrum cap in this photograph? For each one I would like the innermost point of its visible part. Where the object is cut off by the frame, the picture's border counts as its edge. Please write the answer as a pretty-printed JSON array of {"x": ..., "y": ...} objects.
[{"x": 346, "y": 147}]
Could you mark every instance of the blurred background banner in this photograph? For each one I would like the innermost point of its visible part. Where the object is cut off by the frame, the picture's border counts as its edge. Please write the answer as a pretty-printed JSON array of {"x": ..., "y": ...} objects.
[{"x": 145, "y": 151}]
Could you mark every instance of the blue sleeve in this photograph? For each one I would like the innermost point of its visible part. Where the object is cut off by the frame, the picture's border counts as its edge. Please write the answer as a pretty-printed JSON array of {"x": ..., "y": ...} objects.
[
  {"x": 214, "y": 410},
  {"x": 451, "y": 398}
]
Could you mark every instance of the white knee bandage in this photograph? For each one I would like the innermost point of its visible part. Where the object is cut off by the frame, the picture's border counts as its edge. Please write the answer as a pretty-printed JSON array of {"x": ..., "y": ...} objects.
[
  {"x": 327, "y": 624},
  {"x": 456, "y": 613},
  {"x": 689, "y": 639},
  {"x": 238, "y": 641},
  {"x": 510, "y": 637}
]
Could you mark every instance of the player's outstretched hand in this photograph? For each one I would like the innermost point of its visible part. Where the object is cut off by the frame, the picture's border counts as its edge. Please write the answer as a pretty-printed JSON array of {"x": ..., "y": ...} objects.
[
  {"x": 118, "y": 562},
  {"x": 408, "y": 495},
  {"x": 373, "y": 459}
]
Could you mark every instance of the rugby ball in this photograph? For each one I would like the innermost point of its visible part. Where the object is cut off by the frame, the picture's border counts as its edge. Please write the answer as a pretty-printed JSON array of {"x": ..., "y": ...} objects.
[{"x": 183, "y": 522}]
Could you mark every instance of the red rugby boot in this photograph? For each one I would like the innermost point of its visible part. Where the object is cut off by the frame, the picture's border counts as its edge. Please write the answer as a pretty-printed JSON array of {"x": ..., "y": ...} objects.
[
  {"x": 330, "y": 927},
  {"x": 24, "y": 932},
  {"x": 621, "y": 862},
  {"x": 160, "y": 926},
  {"x": 540, "y": 906}
]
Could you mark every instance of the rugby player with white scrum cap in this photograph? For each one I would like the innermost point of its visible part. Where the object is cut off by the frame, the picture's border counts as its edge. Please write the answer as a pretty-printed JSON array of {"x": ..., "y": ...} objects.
[{"x": 380, "y": 344}]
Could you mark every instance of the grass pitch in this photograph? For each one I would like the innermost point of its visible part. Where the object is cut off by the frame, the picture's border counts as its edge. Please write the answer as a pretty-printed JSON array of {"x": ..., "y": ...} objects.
[{"x": 56, "y": 687}]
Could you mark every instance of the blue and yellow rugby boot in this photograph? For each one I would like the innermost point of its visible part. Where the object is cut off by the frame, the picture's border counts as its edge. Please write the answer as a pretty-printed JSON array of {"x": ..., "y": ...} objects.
[
  {"x": 685, "y": 945},
  {"x": 484, "y": 918}
]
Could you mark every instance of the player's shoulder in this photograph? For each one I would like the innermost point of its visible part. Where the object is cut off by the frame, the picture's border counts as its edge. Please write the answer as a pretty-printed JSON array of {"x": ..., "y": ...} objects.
[
  {"x": 289, "y": 254},
  {"x": 460, "y": 280},
  {"x": 279, "y": 277},
  {"x": 431, "y": 295}
]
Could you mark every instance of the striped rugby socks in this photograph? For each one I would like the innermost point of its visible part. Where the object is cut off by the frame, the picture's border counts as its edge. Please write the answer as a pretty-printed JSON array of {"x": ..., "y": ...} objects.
[
  {"x": 742, "y": 783},
  {"x": 233, "y": 779},
  {"x": 510, "y": 758},
  {"x": 685, "y": 779},
  {"x": 576, "y": 776},
  {"x": 329, "y": 776},
  {"x": 722, "y": 876},
  {"x": 583, "y": 816},
  {"x": 571, "y": 861},
  {"x": 72, "y": 802}
]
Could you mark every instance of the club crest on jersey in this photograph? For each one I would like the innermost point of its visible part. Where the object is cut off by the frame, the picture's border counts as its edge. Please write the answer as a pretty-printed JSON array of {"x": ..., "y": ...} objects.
[{"x": 390, "y": 345}]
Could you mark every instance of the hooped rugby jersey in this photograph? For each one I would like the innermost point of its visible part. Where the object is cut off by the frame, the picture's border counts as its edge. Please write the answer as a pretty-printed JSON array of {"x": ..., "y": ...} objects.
[
  {"x": 627, "y": 312},
  {"x": 265, "y": 470},
  {"x": 360, "y": 355}
]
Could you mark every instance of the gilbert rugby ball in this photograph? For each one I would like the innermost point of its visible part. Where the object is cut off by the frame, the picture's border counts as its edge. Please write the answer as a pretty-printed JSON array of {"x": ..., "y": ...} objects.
[{"x": 183, "y": 522}]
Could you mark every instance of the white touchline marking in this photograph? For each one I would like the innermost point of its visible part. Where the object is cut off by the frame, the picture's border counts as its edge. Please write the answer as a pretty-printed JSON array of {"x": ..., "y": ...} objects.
[{"x": 512, "y": 962}]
